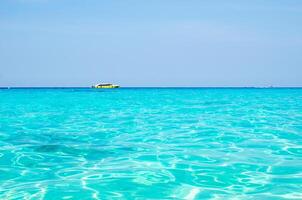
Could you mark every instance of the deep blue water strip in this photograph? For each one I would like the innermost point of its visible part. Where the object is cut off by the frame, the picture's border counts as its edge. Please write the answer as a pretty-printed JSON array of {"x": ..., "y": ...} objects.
[{"x": 155, "y": 88}]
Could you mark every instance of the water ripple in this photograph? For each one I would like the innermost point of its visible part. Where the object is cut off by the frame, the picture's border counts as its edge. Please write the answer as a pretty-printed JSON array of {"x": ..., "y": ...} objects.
[{"x": 151, "y": 144}]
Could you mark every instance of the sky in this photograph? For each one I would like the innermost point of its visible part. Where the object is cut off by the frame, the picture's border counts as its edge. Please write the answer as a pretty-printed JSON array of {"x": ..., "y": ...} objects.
[{"x": 190, "y": 43}]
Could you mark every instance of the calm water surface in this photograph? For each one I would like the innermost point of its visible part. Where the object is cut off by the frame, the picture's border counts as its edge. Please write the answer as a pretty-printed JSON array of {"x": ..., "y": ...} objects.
[{"x": 151, "y": 144}]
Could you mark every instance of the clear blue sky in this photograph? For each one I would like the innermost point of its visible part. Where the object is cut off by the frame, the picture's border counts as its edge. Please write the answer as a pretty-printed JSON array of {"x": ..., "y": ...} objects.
[{"x": 151, "y": 43}]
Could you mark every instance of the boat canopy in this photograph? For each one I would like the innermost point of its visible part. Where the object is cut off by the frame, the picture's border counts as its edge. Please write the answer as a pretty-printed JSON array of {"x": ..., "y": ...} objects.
[{"x": 103, "y": 84}]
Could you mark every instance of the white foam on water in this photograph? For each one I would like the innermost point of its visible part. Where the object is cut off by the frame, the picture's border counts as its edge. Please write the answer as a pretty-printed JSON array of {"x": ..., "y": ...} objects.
[
  {"x": 192, "y": 194},
  {"x": 293, "y": 195}
]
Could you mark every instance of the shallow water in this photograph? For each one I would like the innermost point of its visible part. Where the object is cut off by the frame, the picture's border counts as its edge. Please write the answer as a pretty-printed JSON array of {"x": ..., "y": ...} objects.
[{"x": 151, "y": 144}]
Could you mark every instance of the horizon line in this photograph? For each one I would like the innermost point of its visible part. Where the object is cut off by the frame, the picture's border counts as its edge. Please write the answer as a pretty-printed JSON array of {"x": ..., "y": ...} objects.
[{"x": 163, "y": 87}]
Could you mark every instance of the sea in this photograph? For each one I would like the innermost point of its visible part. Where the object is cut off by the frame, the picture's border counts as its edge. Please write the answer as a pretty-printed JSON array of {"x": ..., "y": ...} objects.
[{"x": 151, "y": 143}]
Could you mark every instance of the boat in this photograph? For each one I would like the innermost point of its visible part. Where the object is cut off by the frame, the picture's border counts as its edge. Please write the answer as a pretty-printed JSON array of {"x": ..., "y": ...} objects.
[{"x": 105, "y": 86}]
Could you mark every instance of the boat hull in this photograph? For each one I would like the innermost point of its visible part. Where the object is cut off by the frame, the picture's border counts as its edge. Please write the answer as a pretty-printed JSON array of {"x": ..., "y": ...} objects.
[{"x": 106, "y": 86}]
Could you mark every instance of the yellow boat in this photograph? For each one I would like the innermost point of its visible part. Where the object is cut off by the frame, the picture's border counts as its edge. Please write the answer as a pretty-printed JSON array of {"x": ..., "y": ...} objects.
[{"x": 105, "y": 86}]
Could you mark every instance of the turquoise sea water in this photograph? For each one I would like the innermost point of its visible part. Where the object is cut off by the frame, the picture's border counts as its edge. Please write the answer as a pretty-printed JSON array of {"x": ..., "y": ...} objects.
[{"x": 151, "y": 144}]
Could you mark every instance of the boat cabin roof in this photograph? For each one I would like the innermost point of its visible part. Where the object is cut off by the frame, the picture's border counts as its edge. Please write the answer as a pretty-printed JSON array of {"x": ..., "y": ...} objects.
[{"x": 103, "y": 84}]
